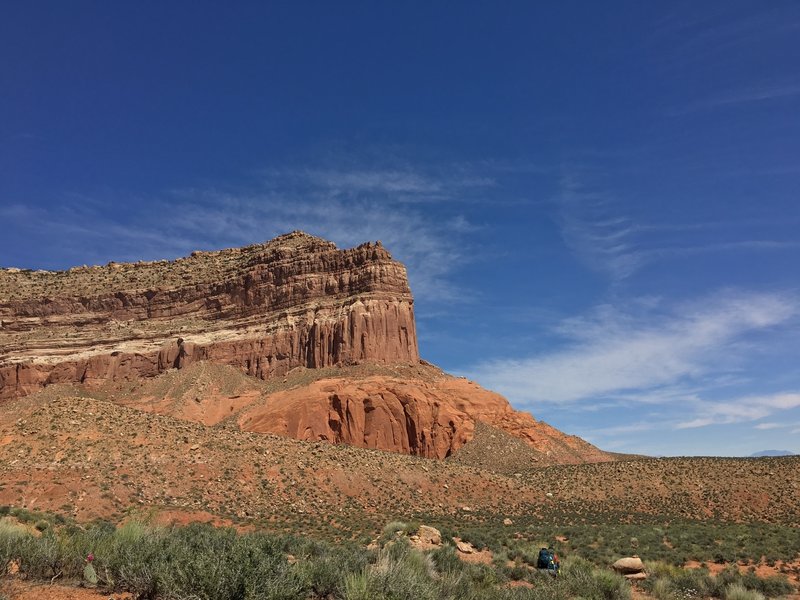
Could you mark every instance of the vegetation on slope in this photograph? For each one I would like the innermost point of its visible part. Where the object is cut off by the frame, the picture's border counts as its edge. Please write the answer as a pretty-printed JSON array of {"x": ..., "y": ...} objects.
[{"x": 200, "y": 561}]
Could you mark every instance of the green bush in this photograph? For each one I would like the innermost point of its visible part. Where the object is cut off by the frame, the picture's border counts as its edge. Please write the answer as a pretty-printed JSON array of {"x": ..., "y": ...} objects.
[
  {"x": 390, "y": 529},
  {"x": 661, "y": 589},
  {"x": 356, "y": 586},
  {"x": 666, "y": 581},
  {"x": 737, "y": 591},
  {"x": 446, "y": 560},
  {"x": 605, "y": 585},
  {"x": 41, "y": 525},
  {"x": 772, "y": 587}
]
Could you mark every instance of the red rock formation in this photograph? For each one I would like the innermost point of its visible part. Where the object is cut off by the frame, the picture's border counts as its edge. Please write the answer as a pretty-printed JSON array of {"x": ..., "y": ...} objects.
[
  {"x": 431, "y": 415},
  {"x": 264, "y": 310},
  {"x": 294, "y": 301}
]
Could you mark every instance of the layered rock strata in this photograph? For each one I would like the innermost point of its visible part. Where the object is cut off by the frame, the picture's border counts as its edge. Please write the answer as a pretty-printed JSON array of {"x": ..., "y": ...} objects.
[
  {"x": 294, "y": 301},
  {"x": 431, "y": 416}
]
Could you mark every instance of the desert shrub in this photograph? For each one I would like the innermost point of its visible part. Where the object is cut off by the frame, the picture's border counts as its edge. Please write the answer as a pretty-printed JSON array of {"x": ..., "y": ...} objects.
[
  {"x": 411, "y": 527},
  {"x": 661, "y": 589},
  {"x": 606, "y": 585},
  {"x": 446, "y": 560},
  {"x": 356, "y": 586},
  {"x": 41, "y": 525},
  {"x": 737, "y": 591},
  {"x": 660, "y": 570},
  {"x": 401, "y": 574},
  {"x": 40, "y": 558},
  {"x": 325, "y": 573},
  {"x": 480, "y": 539},
  {"x": 22, "y": 515},
  {"x": 11, "y": 536},
  {"x": 517, "y": 572},
  {"x": 772, "y": 587},
  {"x": 391, "y": 529},
  {"x": 202, "y": 562},
  {"x": 583, "y": 580},
  {"x": 483, "y": 576},
  {"x": 674, "y": 582},
  {"x": 685, "y": 583}
]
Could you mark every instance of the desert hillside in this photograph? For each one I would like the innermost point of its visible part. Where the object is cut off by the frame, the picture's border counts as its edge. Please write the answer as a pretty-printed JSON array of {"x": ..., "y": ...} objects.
[{"x": 89, "y": 458}]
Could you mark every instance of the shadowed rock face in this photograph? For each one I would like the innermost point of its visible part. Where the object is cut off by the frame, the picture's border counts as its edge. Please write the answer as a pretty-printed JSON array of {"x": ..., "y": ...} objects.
[{"x": 265, "y": 309}]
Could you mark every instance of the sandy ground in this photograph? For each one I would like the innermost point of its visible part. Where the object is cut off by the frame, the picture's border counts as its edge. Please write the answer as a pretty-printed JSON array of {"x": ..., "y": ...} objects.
[{"x": 23, "y": 590}]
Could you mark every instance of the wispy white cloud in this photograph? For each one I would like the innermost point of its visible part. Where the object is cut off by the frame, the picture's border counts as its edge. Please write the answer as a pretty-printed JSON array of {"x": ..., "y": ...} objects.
[
  {"x": 750, "y": 408},
  {"x": 653, "y": 355},
  {"x": 767, "y": 426},
  {"x": 733, "y": 98},
  {"x": 349, "y": 205},
  {"x": 403, "y": 183},
  {"x": 430, "y": 249},
  {"x": 714, "y": 32},
  {"x": 637, "y": 427},
  {"x": 602, "y": 233},
  {"x": 591, "y": 229}
]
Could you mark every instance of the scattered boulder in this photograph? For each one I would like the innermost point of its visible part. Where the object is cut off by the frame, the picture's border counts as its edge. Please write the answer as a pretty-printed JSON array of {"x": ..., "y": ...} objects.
[
  {"x": 465, "y": 547},
  {"x": 426, "y": 538},
  {"x": 636, "y": 576},
  {"x": 429, "y": 535},
  {"x": 470, "y": 554},
  {"x": 507, "y": 521},
  {"x": 631, "y": 567}
]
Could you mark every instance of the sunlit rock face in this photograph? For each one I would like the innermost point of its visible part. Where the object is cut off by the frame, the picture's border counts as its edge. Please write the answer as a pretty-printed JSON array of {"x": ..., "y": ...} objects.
[{"x": 294, "y": 301}]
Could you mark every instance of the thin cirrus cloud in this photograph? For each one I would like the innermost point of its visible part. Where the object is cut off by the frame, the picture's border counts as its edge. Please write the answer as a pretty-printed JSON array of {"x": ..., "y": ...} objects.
[
  {"x": 446, "y": 183},
  {"x": 350, "y": 206},
  {"x": 623, "y": 355},
  {"x": 591, "y": 228},
  {"x": 597, "y": 230},
  {"x": 347, "y": 206},
  {"x": 429, "y": 249},
  {"x": 734, "y": 98},
  {"x": 767, "y": 426},
  {"x": 744, "y": 409}
]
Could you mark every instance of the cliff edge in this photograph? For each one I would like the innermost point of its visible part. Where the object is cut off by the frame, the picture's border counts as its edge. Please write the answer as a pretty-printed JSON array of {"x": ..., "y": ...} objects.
[{"x": 294, "y": 301}]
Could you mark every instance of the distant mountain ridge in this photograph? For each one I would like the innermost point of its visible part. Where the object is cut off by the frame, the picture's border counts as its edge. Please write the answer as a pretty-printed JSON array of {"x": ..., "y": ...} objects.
[{"x": 772, "y": 453}]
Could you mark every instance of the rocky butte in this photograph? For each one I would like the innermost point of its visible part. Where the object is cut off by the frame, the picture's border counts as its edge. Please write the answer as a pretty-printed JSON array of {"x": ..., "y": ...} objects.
[{"x": 264, "y": 311}]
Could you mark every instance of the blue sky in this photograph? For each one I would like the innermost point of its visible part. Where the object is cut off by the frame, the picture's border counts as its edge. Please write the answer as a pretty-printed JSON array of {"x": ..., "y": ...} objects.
[{"x": 597, "y": 202}]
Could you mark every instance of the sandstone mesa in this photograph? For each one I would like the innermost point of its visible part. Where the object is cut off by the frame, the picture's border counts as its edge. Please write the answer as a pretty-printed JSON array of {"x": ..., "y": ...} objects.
[{"x": 295, "y": 302}]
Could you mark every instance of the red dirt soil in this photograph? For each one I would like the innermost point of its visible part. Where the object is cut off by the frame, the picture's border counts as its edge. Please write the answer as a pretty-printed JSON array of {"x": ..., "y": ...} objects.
[
  {"x": 24, "y": 590},
  {"x": 790, "y": 569}
]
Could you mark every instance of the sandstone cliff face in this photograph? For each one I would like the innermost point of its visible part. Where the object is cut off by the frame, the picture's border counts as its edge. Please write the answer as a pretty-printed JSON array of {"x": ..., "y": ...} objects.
[
  {"x": 265, "y": 309},
  {"x": 428, "y": 414}
]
